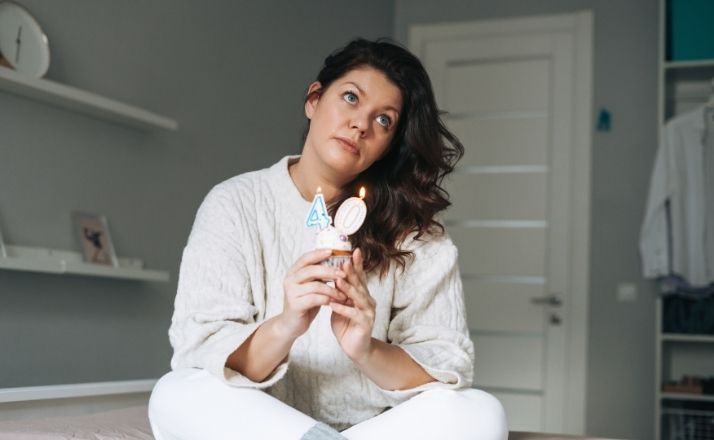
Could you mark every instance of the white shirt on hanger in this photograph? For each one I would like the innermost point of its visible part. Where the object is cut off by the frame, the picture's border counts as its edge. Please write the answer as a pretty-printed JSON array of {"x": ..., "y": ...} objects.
[{"x": 677, "y": 211}]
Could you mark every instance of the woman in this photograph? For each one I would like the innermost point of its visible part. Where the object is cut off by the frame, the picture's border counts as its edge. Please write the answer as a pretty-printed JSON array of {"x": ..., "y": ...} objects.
[{"x": 264, "y": 348}]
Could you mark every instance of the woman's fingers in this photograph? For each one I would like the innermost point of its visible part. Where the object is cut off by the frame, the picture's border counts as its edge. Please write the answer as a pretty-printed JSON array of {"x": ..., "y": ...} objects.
[
  {"x": 350, "y": 274},
  {"x": 304, "y": 283},
  {"x": 354, "y": 271},
  {"x": 305, "y": 291},
  {"x": 354, "y": 292},
  {"x": 316, "y": 272},
  {"x": 322, "y": 289},
  {"x": 358, "y": 260},
  {"x": 309, "y": 301},
  {"x": 346, "y": 311},
  {"x": 309, "y": 258},
  {"x": 359, "y": 317}
]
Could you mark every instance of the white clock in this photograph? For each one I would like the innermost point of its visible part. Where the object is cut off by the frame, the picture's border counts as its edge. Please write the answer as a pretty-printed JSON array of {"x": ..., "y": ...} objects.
[{"x": 23, "y": 45}]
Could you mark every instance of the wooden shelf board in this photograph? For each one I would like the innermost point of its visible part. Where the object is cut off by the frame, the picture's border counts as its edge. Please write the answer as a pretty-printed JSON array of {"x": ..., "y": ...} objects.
[{"x": 81, "y": 101}]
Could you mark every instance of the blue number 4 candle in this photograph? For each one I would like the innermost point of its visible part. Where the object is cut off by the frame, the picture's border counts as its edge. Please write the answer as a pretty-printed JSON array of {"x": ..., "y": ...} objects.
[{"x": 318, "y": 216}]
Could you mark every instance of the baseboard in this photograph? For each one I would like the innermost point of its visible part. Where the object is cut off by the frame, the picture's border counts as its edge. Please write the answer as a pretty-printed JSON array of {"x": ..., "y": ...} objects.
[
  {"x": 24, "y": 403},
  {"x": 22, "y": 394}
]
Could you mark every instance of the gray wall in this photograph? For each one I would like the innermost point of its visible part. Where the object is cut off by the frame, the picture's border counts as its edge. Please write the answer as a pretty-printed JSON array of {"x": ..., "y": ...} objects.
[
  {"x": 620, "y": 401},
  {"x": 233, "y": 73}
]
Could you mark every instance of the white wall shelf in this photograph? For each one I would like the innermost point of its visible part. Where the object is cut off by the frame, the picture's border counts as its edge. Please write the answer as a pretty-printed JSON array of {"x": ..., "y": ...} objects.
[
  {"x": 685, "y": 337},
  {"x": 77, "y": 100},
  {"x": 690, "y": 397},
  {"x": 55, "y": 261},
  {"x": 688, "y": 64}
]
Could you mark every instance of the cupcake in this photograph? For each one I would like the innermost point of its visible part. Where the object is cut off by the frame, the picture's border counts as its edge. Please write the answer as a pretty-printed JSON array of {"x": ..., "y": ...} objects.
[
  {"x": 348, "y": 219},
  {"x": 338, "y": 242}
]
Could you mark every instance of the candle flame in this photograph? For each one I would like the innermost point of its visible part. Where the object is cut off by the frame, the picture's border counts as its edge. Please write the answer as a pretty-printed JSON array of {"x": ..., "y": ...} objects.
[{"x": 361, "y": 193}]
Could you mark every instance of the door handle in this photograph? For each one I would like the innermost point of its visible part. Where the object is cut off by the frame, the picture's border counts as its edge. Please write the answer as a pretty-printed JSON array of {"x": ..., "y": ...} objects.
[{"x": 552, "y": 300}]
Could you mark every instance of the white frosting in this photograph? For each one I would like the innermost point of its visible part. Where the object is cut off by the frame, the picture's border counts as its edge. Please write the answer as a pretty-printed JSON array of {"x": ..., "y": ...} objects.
[{"x": 332, "y": 238}]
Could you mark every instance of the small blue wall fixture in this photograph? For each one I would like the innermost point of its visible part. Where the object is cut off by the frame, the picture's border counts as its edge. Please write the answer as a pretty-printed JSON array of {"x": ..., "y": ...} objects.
[{"x": 604, "y": 120}]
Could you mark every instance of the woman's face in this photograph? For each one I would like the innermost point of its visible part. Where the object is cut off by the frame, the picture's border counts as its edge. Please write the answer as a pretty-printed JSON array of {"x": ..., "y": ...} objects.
[{"x": 353, "y": 121}]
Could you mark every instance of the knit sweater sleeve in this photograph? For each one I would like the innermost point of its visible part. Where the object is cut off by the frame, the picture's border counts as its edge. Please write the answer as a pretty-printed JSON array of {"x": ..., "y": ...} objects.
[
  {"x": 429, "y": 318},
  {"x": 214, "y": 310}
]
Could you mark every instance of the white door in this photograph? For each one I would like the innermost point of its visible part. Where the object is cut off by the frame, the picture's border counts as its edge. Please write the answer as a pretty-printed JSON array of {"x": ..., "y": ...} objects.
[{"x": 513, "y": 93}]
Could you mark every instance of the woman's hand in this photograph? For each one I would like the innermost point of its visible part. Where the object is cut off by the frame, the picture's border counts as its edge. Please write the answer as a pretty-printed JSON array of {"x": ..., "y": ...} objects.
[
  {"x": 352, "y": 321},
  {"x": 305, "y": 291}
]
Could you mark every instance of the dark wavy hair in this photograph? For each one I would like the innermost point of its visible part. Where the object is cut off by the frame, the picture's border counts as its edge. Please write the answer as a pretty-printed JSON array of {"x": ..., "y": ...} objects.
[{"x": 404, "y": 189}]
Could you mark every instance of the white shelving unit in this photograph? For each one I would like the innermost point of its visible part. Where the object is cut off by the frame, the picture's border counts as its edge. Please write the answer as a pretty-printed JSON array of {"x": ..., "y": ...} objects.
[
  {"x": 77, "y": 100},
  {"x": 683, "y": 85},
  {"x": 678, "y": 354},
  {"x": 55, "y": 261}
]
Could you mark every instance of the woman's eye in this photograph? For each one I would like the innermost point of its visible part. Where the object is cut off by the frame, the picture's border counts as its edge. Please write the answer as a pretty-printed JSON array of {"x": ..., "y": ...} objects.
[
  {"x": 350, "y": 97},
  {"x": 384, "y": 121}
]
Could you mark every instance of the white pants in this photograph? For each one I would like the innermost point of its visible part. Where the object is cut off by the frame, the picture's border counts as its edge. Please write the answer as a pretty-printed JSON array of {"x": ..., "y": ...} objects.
[{"x": 191, "y": 404}]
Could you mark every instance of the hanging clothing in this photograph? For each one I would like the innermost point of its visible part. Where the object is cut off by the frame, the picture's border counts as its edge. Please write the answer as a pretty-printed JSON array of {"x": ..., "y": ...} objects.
[
  {"x": 676, "y": 235},
  {"x": 708, "y": 162}
]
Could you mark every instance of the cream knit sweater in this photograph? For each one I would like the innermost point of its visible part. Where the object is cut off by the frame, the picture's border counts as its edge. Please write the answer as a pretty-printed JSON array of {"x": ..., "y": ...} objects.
[{"x": 248, "y": 231}]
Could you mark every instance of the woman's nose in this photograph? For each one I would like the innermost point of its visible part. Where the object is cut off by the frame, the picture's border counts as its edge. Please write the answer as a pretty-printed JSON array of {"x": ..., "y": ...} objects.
[{"x": 360, "y": 122}]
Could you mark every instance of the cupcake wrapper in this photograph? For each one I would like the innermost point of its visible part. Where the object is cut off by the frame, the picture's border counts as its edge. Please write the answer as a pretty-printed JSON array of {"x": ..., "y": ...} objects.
[{"x": 336, "y": 261}]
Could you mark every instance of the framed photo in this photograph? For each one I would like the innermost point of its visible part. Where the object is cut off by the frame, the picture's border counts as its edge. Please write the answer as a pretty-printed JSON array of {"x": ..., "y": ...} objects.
[{"x": 93, "y": 234}]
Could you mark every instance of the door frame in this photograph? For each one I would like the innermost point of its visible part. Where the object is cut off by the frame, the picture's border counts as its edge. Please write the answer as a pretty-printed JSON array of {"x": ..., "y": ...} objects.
[{"x": 580, "y": 26}]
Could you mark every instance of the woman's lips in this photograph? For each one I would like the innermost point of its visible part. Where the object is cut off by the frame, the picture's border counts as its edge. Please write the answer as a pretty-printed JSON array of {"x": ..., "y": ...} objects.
[{"x": 348, "y": 145}]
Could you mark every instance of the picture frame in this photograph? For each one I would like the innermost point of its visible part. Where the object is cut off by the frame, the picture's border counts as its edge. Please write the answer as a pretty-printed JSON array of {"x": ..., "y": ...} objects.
[{"x": 92, "y": 232}]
